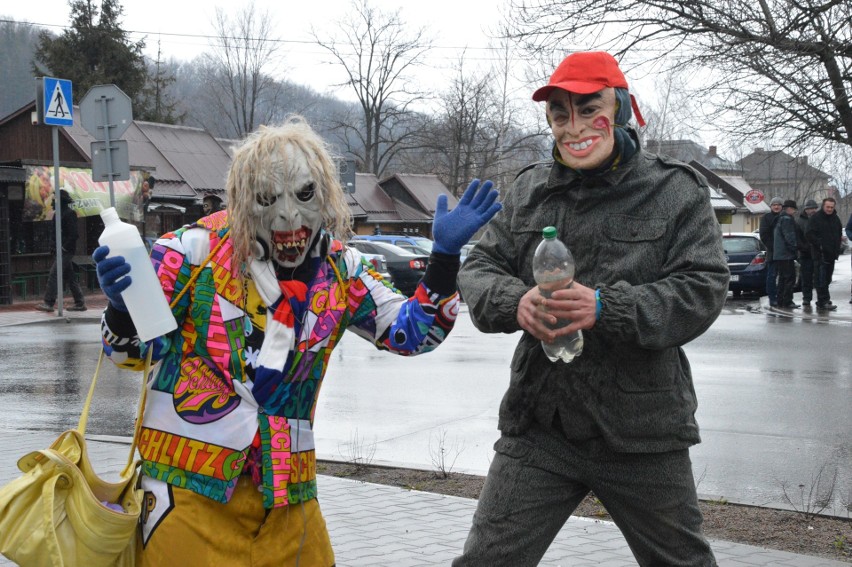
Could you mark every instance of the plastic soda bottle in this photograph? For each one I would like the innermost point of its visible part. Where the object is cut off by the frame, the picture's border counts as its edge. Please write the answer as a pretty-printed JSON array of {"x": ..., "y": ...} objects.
[
  {"x": 553, "y": 269},
  {"x": 144, "y": 298}
]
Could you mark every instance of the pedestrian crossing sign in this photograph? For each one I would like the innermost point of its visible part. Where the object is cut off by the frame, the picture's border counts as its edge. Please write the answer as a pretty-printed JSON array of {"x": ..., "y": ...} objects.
[{"x": 58, "y": 104}]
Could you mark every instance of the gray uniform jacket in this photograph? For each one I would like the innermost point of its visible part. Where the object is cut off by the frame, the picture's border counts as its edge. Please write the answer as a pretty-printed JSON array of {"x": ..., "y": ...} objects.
[
  {"x": 786, "y": 245},
  {"x": 646, "y": 236}
]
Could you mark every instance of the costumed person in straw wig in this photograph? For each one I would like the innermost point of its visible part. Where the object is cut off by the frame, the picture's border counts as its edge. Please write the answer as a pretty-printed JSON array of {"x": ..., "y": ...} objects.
[{"x": 229, "y": 467}]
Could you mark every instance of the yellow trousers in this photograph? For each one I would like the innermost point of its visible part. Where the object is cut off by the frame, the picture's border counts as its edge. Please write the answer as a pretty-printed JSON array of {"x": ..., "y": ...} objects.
[{"x": 180, "y": 527}]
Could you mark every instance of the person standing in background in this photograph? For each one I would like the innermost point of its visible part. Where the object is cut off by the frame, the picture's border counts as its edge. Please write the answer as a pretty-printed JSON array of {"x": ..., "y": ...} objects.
[
  {"x": 806, "y": 259},
  {"x": 69, "y": 232},
  {"x": 767, "y": 236},
  {"x": 849, "y": 236},
  {"x": 824, "y": 230},
  {"x": 210, "y": 204},
  {"x": 784, "y": 254}
]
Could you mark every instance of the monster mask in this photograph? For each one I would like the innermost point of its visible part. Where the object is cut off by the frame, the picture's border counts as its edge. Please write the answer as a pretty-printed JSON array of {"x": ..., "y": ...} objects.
[
  {"x": 287, "y": 208},
  {"x": 283, "y": 193}
]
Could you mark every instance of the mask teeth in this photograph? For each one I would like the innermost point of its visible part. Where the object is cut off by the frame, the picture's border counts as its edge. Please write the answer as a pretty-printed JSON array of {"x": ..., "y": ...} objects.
[{"x": 293, "y": 245}]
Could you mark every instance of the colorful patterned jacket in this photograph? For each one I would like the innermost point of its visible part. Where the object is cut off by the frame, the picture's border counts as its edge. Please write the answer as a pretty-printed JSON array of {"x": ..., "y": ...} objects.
[{"x": 208, "y": 417}]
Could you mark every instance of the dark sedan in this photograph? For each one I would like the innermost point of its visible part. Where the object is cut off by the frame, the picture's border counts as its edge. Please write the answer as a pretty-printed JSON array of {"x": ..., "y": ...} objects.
[
  {"x": 405, "y": 268},
  {"x": 746, "y": 258}
]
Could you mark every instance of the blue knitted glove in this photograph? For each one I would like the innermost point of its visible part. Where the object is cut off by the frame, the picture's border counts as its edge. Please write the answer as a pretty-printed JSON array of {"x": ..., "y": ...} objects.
[
  {"x": 110, "y": 272},
  {"x": 454, "y": 229}
]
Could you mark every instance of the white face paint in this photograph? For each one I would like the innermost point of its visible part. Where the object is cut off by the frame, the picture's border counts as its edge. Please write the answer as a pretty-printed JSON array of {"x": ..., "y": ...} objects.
[{"x": 287, "y": 209}]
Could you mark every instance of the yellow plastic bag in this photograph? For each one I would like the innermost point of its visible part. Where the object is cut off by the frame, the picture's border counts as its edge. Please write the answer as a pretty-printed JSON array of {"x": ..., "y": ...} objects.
[{"x": 54, "y": 514}]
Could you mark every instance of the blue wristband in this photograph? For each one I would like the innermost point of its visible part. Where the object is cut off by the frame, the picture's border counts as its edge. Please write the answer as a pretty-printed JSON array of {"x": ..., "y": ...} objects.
[{"x": 598, "y": 305}]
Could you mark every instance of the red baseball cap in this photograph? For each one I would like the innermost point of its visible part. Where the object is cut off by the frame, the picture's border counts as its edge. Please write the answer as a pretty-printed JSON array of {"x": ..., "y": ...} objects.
[{"x": 584, "y": 72}]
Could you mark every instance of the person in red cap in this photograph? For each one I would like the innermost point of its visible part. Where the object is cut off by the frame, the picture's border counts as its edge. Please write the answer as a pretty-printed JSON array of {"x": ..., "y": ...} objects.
[{"x": 651, "y": 275}]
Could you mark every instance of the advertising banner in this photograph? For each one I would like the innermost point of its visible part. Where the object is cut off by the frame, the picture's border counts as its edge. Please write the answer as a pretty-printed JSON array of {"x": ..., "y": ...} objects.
[{"x": 90, "y": 197}]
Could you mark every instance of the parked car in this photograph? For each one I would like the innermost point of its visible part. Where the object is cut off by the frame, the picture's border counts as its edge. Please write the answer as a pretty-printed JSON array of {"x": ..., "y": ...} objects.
[
  {"x": 415, "y": 244},
  {"x": 379, "y": 264},
  {"x": 465, "y": 250},
  {"x": 406, "y": 268},
  {"x": 746, "y": 257},
  {"x": 415, "y": 249}
]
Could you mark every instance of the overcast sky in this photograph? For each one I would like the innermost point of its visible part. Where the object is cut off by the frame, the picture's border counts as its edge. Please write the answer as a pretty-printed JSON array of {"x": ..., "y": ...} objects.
[{"x": 453, "y": 24}]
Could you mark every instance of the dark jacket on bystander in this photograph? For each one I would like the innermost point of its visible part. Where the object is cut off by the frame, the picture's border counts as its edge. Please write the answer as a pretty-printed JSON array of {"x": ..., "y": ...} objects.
[
  {"x": 824, "y": 235},
  {"x": 802, "y": 242},
  {"x": 785, "y": 245},
  {"x": 767, "y": 232}
]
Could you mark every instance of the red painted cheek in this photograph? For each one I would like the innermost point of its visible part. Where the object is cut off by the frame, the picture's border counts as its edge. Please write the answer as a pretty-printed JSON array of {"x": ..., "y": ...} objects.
[{"x": 601, "y": 123}]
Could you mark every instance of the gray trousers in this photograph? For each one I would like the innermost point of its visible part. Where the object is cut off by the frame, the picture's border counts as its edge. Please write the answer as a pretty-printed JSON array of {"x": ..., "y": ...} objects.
[
  {"x": 69, "y": 278},
  {"x": 538, "y": 479}
]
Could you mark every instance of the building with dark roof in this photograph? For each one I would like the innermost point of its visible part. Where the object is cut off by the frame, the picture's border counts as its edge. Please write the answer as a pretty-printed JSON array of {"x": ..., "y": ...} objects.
[
  {"x": 748, "y": 210},
  {"x": 181, "y": 164},
  {"x": 400, "y": 204},
  {"x": 682, "y": 150},
  {"x": 778, "y": 174},
  {"x": 726, "y": 182},
  {"x": 185, "y": 168}
]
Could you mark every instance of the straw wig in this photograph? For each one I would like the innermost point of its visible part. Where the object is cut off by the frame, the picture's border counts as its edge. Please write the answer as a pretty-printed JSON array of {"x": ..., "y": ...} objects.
[{"x": 260, "y": 161}]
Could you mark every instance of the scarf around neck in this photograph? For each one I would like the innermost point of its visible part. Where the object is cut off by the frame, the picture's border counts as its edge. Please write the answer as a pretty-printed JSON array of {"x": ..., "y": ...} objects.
[{"x": 286, "y": 301}]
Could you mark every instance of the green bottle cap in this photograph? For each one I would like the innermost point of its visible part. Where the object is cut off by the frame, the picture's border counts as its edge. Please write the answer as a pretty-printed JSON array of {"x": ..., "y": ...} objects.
[{"x": 549, "y": 232}]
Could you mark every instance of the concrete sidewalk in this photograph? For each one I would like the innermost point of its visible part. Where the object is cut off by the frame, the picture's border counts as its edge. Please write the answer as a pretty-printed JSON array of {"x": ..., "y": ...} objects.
[
  {"x": 376, "y": 525},
  {"x": 24, "y": 312}
]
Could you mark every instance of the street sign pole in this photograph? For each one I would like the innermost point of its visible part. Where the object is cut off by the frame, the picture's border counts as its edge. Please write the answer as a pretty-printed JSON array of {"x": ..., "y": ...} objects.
[
  {"x": 106, "y": 113},
  {"x": 57, "y": 221},
  {"x": 55, "y": 108},
  {"x": 103, "y": 99}
]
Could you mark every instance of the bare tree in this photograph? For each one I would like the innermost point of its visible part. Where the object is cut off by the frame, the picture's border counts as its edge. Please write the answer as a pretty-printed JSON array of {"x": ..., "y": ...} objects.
[
  {"x": 522, "y": 135},
  {"x": 377, "y": 53},
  {"x": 240, "y": 68},
  {"x": 784, "y": 68},
  {"x": 672, "y": 117},
  {"x": 840, "y": 163},
  {"x": 460, "y": 135},
  {"x": 357, "y": 451},
  {"x": 192, "y": 94},
  {"x": 479, "y": 130}
]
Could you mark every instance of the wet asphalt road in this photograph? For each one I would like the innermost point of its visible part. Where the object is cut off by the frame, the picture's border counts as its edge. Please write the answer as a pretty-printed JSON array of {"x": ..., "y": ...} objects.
[
  {"x": 775, "y": 399},
  {"x": 775, "y": 406}
]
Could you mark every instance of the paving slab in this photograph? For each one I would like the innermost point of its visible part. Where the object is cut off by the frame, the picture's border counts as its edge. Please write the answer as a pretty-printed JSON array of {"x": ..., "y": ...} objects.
[{"x": 423, "y": 528}]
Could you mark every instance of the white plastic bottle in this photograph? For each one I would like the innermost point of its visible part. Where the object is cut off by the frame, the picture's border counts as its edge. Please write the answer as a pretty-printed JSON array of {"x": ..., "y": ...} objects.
[
  {"x": 144, "y": 298},
  {"x": 553, "y": 268}
]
